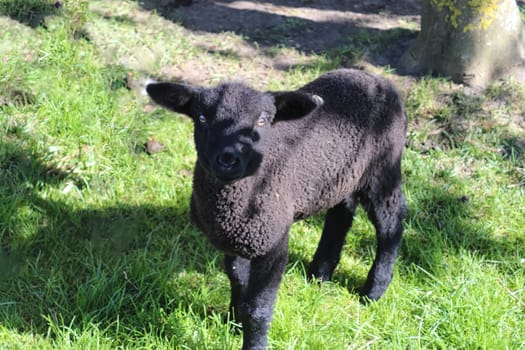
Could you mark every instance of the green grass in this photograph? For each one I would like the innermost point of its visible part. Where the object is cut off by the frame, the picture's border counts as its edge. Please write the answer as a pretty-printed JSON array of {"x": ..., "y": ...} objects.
[{"x": 96, "y": 247}]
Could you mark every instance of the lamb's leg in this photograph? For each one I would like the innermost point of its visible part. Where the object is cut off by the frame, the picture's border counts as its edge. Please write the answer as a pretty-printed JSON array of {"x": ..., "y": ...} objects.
[
  {"x": 257, "y": 309},
  {"x": 337, "y": 223},
  {"x": 238, "y": 271},
  {"x": 387, "y": 215}
]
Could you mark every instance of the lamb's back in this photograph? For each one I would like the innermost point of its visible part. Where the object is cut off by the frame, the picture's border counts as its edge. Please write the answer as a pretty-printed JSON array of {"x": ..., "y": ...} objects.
[{"x": 362, "y": 117}]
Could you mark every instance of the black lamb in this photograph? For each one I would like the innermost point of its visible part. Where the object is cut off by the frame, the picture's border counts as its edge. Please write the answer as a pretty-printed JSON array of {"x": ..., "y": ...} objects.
[{"x": 267, "y": 159}]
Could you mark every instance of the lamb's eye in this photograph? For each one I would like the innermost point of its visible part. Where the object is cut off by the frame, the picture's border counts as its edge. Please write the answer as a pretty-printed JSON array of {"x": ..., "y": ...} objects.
[
  {"x": 202, "y": 119},
  {"x": 263, "y": 119}
]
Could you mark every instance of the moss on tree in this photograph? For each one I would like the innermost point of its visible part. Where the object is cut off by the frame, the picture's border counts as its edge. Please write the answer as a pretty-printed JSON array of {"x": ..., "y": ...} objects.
[{"x": 471, "y": 41}]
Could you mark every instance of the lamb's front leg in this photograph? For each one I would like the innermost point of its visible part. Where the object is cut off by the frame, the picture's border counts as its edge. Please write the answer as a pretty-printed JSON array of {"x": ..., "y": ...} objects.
[
  {"x": 238, "y": 271},
  {"x": 255, "y": 312}
]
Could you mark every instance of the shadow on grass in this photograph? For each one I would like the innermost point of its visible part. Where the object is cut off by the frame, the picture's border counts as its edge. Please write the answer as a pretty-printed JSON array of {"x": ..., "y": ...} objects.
[
  {"x": 448, "y": 222},
  {"x": 130, "y": 267},
  {"x": 29, "y": 12},
  {"x": 442, "y": 222},
  {"x": 266, "y": 29},
  {"x": 120, "y": 267},
  {"x": 488, "y": 114}
]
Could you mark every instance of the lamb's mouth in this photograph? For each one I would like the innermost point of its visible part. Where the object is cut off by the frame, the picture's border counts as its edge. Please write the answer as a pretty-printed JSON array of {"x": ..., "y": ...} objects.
[
  {"x": 230, "y": 174},
  {"x": 223, "y": 175},
  {"x": 227, "y": 178}
]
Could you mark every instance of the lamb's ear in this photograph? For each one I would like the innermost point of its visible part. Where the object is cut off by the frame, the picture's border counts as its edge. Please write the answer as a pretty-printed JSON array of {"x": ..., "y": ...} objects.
[
  {"x": 176, "y": 97},
  {"x": 294, "y": 104}
]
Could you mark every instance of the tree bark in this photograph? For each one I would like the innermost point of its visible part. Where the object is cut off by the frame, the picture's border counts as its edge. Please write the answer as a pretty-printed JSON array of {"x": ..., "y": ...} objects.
[{"x": 471, "y": 41}]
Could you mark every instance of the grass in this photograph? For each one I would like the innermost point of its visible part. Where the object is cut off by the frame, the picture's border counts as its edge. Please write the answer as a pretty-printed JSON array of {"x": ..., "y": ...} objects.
[{"x": 96, "y": 247}]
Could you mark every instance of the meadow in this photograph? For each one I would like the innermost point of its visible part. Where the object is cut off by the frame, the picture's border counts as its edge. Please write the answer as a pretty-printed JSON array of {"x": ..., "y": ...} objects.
[{"x": 97, "y": 250}]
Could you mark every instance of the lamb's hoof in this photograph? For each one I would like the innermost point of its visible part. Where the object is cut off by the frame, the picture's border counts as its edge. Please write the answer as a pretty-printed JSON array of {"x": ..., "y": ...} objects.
[
  {"x": 319, "y": 272},
  {"x": 315, "y": 277},
  {"x": 367, "y": 296}
]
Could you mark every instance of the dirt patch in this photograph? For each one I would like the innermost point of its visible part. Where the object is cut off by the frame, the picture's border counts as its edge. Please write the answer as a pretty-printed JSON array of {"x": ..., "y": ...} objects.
[
  {"x": 307, "y": 25},
  {"x": 208, "y": 41}
]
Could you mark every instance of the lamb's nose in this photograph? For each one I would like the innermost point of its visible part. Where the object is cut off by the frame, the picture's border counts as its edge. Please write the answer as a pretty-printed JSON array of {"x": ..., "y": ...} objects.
[{"x": 227, "y": 159}]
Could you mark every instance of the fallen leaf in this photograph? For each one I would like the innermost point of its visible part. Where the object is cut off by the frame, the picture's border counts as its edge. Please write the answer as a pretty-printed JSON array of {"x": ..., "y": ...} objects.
[{"x": 153, "y": 146}]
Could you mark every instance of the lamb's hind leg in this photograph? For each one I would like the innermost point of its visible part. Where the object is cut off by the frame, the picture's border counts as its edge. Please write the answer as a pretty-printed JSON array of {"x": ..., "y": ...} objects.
[
  {"x": 387, "y": 214},
  {"x": 337, "y": 223}
]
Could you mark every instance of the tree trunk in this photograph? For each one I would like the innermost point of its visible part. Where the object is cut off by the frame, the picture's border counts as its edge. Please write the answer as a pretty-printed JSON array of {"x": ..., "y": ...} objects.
[{"x": 471, "y": 41}]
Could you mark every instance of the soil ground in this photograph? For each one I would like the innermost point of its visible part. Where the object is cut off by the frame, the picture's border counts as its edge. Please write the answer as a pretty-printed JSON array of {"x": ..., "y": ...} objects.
[
  {"x": 304, "y": 26},
  {"x": 308, "y": 25}
]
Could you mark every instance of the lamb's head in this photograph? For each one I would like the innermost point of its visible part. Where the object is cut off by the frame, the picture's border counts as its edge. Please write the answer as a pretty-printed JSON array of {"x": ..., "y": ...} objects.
[{"x": 232, "y": 122}]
